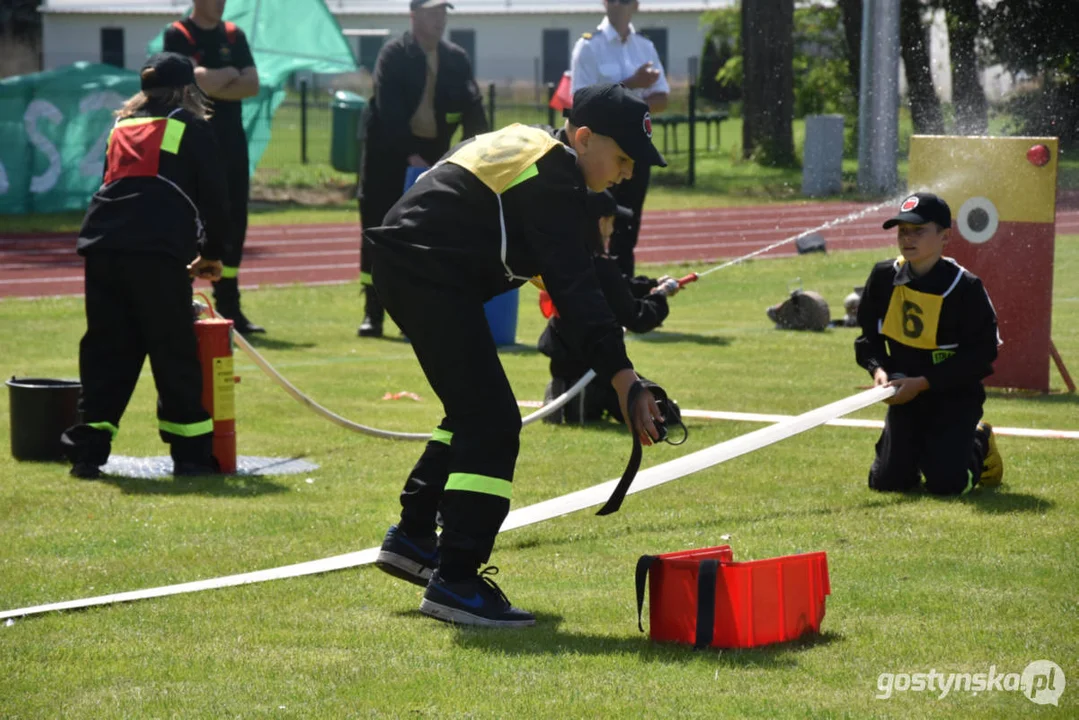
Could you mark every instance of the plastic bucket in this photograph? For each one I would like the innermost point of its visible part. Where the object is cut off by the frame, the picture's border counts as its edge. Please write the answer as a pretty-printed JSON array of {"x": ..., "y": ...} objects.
[
  {"x": 501, "y": 312},
  {"x": 41, "y": 409}
]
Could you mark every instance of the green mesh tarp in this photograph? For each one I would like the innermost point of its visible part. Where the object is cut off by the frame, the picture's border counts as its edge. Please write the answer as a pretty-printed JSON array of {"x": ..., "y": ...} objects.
[
  {"x": 53, "y": 125},
  {"x": 53, "y": 128}
]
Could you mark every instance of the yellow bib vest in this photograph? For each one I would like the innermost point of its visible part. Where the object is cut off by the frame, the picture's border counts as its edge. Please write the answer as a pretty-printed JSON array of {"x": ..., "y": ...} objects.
[
  {"x": 913, "y": 319},
  {"x": 502, "y": 160}
]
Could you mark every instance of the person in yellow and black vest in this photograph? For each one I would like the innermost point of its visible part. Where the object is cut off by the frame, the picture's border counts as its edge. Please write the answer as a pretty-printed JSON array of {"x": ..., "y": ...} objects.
[
  {"x": 423, "y": 91},
  {"x": 160, "y": 217},
  {"x": 225, "y": 70},
  {"x": 497, "y": 211},
  {"x": 930, "y": 330}
]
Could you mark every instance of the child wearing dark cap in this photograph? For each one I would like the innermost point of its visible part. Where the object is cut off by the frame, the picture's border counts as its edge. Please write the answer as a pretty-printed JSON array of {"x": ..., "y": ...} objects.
[
  {"x": 160, "y": 217},
  {"x": 639, "y": 304},
  {"x": 497, "y": 211},
  {"x": 929, "y": 330}
]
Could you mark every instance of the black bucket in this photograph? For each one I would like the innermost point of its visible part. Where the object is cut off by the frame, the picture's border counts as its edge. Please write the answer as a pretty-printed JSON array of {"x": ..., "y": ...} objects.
[{"x": 41, "y": 409}]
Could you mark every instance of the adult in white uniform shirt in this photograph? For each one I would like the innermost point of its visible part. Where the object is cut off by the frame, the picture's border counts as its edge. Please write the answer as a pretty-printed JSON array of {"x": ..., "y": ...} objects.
[{"x": 614, "y": 53}]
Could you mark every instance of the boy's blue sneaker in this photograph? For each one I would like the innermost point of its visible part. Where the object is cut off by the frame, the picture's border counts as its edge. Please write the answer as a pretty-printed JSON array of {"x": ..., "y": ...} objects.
[
  {"x": 474, "y": 601},
  {"x": 409, "y": 558}
]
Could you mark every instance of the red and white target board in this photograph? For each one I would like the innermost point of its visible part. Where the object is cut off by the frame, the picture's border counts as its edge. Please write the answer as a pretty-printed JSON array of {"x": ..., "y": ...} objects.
[{"x": 1002, "y": 192}]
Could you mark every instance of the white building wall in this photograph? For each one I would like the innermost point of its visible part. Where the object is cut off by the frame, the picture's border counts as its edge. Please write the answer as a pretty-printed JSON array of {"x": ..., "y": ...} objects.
[
  {"x": 68, "y": 38},
  {"x": 508, "y": 47}
]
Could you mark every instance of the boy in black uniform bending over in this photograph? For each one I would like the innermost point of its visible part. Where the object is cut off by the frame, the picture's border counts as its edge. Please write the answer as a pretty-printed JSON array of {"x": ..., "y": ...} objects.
[
  {"x": 929, "y": 330},
  {"x": 497, "y": 211},
  {"x": 225, "y": 70}
]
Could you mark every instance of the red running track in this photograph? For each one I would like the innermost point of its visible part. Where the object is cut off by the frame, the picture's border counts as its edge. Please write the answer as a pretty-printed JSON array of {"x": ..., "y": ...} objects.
[{"x": 46, "y": 264}]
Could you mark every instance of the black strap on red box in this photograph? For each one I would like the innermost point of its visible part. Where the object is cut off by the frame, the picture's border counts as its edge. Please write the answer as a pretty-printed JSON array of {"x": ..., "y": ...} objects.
[{"x": 707, "y": 576}]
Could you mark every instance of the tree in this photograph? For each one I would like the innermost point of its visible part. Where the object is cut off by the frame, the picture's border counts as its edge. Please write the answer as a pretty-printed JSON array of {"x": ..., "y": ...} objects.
[
  {"x": 1035, "y": 39},
  {"x": 968, "y": 96},
  {"x": 852, "y": 31},
  {"x": 924, "y": 103},
  {"x": 768, "y": 81}
]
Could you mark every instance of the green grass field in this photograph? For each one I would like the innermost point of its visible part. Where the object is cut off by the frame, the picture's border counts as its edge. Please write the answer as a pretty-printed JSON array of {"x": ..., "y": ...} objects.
[{"x": 918, "y": 583}]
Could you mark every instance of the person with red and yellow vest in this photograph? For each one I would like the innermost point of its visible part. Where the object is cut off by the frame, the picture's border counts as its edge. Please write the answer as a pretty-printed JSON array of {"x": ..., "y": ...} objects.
[
  {"x": 160, "y": 218},
  {"x": 929, "y": 330},
  {"x": 497, "y": 211},
  {"x": 224, "y": 70}
]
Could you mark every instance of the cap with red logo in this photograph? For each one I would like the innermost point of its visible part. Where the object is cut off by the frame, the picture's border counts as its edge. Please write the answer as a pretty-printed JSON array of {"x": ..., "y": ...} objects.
[
  {"x": 612, "y": 110},
  {"x": 922, "y": 208}
]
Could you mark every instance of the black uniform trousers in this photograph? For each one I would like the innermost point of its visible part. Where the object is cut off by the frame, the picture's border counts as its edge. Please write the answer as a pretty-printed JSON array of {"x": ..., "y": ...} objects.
[
  {"x": 934, "y": 435},
  {"x": 630, "y": 194},
  {"x": 238, "y": 180},
  {"x": 139, "y": 304},
  {"x": 465, "y": 472}
]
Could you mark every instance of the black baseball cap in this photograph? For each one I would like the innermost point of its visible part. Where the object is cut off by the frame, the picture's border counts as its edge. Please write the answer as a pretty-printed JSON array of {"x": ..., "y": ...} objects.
[
  {"x": 421, "y": 4},
  {"x": 612, "y": 110},
  {"x": 169, "y": 70},
  {"x": 922, "y": 208},
  {"x": 603, "y": 204}
]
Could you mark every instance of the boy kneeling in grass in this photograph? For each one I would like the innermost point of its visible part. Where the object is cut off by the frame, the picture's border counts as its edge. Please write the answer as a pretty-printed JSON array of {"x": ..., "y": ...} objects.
[{"x": 929, "y": 330}]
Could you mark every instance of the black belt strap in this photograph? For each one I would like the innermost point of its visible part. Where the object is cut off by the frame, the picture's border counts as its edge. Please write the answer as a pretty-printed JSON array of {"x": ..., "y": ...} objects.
[
  {"x": 644, "y": 563},
  {"x": 615, "y": 500},
  {"x": 706, "y": 603}
]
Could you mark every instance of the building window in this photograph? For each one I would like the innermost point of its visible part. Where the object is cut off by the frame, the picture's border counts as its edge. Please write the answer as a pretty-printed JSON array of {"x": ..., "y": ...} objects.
[
  {"x": 467, "y": 40},
  {"x": 112, "y": 46},
  {"x": 369, "y": 48},
  {"x": 658, "y": 36},
  {"x": 555, "y": 55}
]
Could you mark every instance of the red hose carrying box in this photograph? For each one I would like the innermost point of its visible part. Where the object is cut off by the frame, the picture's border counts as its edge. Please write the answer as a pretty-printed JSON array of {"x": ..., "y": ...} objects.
[{"x": 703, "y": 598}]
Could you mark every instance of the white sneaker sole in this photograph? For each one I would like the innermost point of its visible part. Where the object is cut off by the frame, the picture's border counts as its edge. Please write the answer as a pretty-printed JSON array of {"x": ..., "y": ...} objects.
[
  {"x": 463, "y": 617},
  {"x": 401, "y": 567}
]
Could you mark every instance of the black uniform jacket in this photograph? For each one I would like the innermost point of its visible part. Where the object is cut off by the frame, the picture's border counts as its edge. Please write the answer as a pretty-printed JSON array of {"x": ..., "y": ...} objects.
[
  {"x": 400, "y": 74},
  {"x": 941, "y": 325},
  {"x": 163, "y": 191},
  {"x": 633, "y": 306},
  {"x": 446, "y": 231},
  {"x": 221, "y": 47}
]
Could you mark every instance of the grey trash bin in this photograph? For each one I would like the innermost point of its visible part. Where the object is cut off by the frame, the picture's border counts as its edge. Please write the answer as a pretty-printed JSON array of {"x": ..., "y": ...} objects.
[{"x": 822, "y": 158}]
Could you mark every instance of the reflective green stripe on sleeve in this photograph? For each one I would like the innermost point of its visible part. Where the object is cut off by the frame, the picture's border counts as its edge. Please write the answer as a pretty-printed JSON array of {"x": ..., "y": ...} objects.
[
  {"x": 467, "y": 482},
  {"x": 204, "y": 427},
  {"x": 443, "y": 436},
  {"x": 365, "y": 279},
  {"x": 530, "y": 172},
  {"x": 228, "y": 272},
  {"x": 108, "y": 426},
  {"x": 174, "y": 133}
]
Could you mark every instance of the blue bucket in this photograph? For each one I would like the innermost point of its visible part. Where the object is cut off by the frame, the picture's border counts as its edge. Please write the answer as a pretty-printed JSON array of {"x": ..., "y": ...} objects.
[{"x": 501, "y": 312}]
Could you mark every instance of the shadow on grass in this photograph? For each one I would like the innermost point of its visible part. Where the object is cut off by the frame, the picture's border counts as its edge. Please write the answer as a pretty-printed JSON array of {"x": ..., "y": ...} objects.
[
  {"x": 671, "y": 337},
  {"x": 1052, "y": 398},
  {"x": 996, "y": 502},
  {"x": 208, "y": 485},
  {"x": 263, "y": 342},
  {"x": 546, "y": 638}
]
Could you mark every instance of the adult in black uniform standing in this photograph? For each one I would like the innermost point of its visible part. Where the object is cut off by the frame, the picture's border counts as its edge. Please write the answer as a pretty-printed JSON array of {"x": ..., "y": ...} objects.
[
  {"x": 162, "y": 202},
  {"x": 615, "y": 53},
  {"x": 499, "y": 210},
  {"x": 225, "y": 70},
  {"x": 424, "y": 89}
]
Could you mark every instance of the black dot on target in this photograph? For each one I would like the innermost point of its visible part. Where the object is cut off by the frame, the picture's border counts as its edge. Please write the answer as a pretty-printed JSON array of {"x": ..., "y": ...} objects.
[{"x": 977, "y": 219}]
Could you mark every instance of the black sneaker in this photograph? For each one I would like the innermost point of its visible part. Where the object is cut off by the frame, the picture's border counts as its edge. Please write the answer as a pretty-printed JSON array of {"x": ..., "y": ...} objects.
[
  {"x": 475, "y": 601},
  {"x": 186, "y": 468},
  {"x": 408, "y": 558},
  {"x": 370, "y": 327}
]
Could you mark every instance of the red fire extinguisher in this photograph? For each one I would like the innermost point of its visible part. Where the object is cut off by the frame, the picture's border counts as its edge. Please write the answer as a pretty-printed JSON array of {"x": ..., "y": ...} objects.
[{"x": 214, "y": 336}]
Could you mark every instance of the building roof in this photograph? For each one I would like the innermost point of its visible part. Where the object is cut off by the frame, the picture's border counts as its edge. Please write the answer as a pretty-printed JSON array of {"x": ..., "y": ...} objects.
[{"x": 387, "y": 7}]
